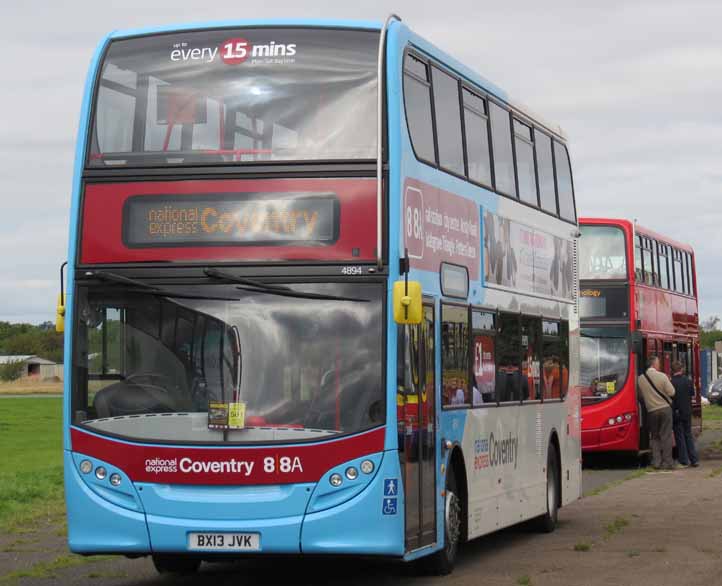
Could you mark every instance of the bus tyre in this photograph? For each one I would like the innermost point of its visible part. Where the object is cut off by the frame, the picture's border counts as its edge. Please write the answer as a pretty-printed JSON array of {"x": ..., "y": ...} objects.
[
  {"x": 441, "y": 563},
  {"x": 175, "y": 564},
  {"x": 547, "y": 522}
]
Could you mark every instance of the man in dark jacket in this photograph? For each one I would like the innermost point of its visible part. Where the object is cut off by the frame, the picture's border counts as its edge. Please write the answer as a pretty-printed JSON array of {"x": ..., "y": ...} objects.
[{"x": 682, "y": 405}]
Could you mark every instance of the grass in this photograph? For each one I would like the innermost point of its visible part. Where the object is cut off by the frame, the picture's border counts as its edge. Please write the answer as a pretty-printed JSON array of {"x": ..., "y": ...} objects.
[
  {"x": 608, "y": 485},
  {"x": 712, "y": 413},
  {"x": 582, "y": 546},
  {"x": 31, "y": 478},
  {"x": 523, "y": 581},
  {"x": 633, "y": 553},
  {"x": 49, "y": 569},
  {"x": 31, "y": 387},
  {"x": 714, "y": 473},
  {"x": 616, "y": 526}
]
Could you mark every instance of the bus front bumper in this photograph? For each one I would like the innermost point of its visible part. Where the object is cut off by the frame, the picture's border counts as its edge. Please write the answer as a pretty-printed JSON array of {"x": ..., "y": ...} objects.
[{"x": 305, "y": 518}]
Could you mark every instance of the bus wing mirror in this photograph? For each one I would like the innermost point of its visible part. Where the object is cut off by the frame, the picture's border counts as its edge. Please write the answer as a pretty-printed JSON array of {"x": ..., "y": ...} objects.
[
  {"x": 60, "y": 314},
  {"x": 60, "y": 308},
  {"x": 407, "y": 302},
  {"x": 636, "y": 339}
]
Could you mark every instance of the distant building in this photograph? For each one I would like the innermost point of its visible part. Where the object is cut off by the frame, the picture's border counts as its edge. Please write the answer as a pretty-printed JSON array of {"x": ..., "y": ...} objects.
[{"x": 35, "y": 367}]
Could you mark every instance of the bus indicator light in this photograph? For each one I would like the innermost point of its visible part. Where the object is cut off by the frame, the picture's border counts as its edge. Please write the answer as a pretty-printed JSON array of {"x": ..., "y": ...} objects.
[
  {"x": 367, "y": 466},
  {"x": 351, "y": 473},
  {"x": 115, "y": 479},
  {"x": 100, "y": 473},
  {"x": 86, "y": 466},
  {"x": 336, "y": 480}
]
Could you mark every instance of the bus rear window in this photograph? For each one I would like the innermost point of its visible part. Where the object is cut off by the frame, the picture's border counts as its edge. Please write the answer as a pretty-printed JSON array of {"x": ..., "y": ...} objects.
[{"x": 230, "y": 96}]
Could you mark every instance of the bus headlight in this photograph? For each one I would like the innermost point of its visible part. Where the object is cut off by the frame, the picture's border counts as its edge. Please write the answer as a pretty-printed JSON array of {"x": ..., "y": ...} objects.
[
  {"x": 351, "y": 473},
  {"x": 115, "y": 479},
  {"x": 86, "y": 466},
  {"x": 367, "y": 466},
  {"x": 611, "y": 421},
  {"x": 335, "y": 479},
  {"x": 100, "y": 473}
]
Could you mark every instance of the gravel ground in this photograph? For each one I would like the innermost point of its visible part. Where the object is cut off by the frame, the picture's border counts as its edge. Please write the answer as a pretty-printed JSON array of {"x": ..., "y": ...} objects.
[{"x": 654, "y": 529}]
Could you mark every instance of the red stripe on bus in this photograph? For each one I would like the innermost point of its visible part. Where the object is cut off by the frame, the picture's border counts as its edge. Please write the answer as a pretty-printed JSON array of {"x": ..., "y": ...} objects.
[{"x": 230, "y": 466}]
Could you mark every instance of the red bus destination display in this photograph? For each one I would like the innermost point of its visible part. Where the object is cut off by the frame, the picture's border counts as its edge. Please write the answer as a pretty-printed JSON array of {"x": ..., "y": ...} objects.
[{"x": 230, "y": 219}]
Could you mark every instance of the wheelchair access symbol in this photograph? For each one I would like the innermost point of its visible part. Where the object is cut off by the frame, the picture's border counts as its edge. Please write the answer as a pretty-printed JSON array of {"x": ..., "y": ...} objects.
[
  {"x": 390, "y": 506},
  {"x": 391, "y": 487}
]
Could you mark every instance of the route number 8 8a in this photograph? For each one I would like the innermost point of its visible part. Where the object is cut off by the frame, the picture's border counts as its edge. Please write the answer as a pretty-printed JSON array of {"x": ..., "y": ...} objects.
[
  {"x": 414, "y": 227},
  {"x": 282, "y": 465}
]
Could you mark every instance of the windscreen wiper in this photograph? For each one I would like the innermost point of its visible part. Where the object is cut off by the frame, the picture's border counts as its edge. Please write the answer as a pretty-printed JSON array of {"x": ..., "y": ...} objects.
[
  {"x": 604, "y": 337},
  {"x": 152, "y": 289},
  {"x": 259, "y": 287},
  {"x": 218, "y": 274},
  {"x": 300, "y": 294}
]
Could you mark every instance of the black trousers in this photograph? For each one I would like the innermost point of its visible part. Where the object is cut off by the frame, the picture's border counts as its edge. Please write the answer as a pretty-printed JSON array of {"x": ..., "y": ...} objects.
[{"x": 686, "y": 451}]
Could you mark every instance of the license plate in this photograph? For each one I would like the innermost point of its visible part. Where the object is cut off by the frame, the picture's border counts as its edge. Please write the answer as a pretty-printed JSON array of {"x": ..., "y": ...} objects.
[{"x": 224, "y": 541}]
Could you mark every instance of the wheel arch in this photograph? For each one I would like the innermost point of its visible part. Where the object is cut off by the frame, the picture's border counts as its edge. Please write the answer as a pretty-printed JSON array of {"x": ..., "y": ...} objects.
[
  {"x": 553, "y": 444},
  {"x": 458, "y": 466}
]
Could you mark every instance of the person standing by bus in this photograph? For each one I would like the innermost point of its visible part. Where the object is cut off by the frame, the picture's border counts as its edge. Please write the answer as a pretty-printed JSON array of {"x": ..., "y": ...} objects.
[
  {"x": 683, "y": 393},
  {"x": 657, "y": 392}
]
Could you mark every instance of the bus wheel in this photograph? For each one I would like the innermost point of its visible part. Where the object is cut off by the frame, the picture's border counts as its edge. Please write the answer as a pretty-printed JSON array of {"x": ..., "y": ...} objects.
[
  {"x": 547, "y": 522},
  {"x": 175, "y": 564},
  {"x": 441, "y": 563}
]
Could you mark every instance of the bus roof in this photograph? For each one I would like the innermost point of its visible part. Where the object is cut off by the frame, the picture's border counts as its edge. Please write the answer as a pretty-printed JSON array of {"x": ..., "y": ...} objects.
[
  {"x": 219, "y": 24},
  {"x": 517, "y": 106},
  {"x": 639, "y": 230}
]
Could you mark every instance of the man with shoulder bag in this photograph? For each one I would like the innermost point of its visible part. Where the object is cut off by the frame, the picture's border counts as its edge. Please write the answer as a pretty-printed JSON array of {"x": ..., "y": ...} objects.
[{"x": 657, "y": 392}]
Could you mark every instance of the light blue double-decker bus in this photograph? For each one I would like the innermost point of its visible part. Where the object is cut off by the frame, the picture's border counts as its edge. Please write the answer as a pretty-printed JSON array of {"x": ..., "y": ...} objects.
[{"x": 321, "y": 299}]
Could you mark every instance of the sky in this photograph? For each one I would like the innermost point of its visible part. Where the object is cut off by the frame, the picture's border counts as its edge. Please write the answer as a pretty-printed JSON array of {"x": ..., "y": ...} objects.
[{"x": 636, "y": 85}]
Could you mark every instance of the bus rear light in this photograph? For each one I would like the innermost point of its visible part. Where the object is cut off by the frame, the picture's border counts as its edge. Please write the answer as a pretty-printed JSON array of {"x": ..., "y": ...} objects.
[
  {"x": 86, "y": 466},
  {"x": 336, "y": 480},
  {"x": 367, "y": 466},
  {"x": 100, "y": 473}
]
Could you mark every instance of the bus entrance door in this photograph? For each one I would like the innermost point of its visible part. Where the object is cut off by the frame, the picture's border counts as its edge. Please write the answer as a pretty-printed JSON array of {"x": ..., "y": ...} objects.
[{"x": 417, "y": 440}]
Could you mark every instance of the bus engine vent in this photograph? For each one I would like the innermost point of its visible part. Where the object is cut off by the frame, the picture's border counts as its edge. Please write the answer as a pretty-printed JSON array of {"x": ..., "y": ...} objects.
[{"x": 575, "y": 274}]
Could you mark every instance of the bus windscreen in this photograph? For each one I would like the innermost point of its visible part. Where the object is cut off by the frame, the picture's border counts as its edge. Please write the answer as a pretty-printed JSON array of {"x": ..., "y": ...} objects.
[
  {"x": 602, "y": 253},
  {"x": 230, "y": 96},
  {"x": 302, "y": 361}
]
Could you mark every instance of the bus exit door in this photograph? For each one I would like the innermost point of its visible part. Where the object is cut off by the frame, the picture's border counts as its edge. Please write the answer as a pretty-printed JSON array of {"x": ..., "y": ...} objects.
[{"x": 416, "y": 411}]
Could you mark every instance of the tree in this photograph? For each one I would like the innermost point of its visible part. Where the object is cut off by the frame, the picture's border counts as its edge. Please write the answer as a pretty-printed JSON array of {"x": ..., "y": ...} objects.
[
  {"x": 11, "y": 371},
  {"x": 710, "y": 324},
  {"x": 709, "y": 332},
  {"x": 26, "y": 339}
]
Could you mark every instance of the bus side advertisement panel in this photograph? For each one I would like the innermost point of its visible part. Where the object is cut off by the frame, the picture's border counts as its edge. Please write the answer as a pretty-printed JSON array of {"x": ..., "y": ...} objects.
[{"x": 439, "y": 226}]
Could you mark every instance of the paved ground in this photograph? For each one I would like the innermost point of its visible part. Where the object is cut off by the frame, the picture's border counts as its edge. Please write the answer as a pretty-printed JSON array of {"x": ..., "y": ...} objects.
[{"x": 655, "y": 529}]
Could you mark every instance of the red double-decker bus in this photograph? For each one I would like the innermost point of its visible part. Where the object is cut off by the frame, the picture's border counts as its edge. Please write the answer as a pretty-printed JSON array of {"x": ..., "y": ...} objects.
[{"x": 638, "y": 297}]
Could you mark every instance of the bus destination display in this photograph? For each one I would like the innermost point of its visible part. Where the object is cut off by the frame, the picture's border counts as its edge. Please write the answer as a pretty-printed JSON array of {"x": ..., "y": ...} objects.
[
  {"x": 230, "y": 219},
  {"x": 603, "y": 302}
]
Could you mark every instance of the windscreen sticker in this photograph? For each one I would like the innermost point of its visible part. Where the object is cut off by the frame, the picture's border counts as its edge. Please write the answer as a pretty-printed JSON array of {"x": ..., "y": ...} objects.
[{"x": 235, "y": 51}]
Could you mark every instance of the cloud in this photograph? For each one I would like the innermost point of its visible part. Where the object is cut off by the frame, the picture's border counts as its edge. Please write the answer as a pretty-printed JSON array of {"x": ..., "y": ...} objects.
[{"x": 635, "y": 84}]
